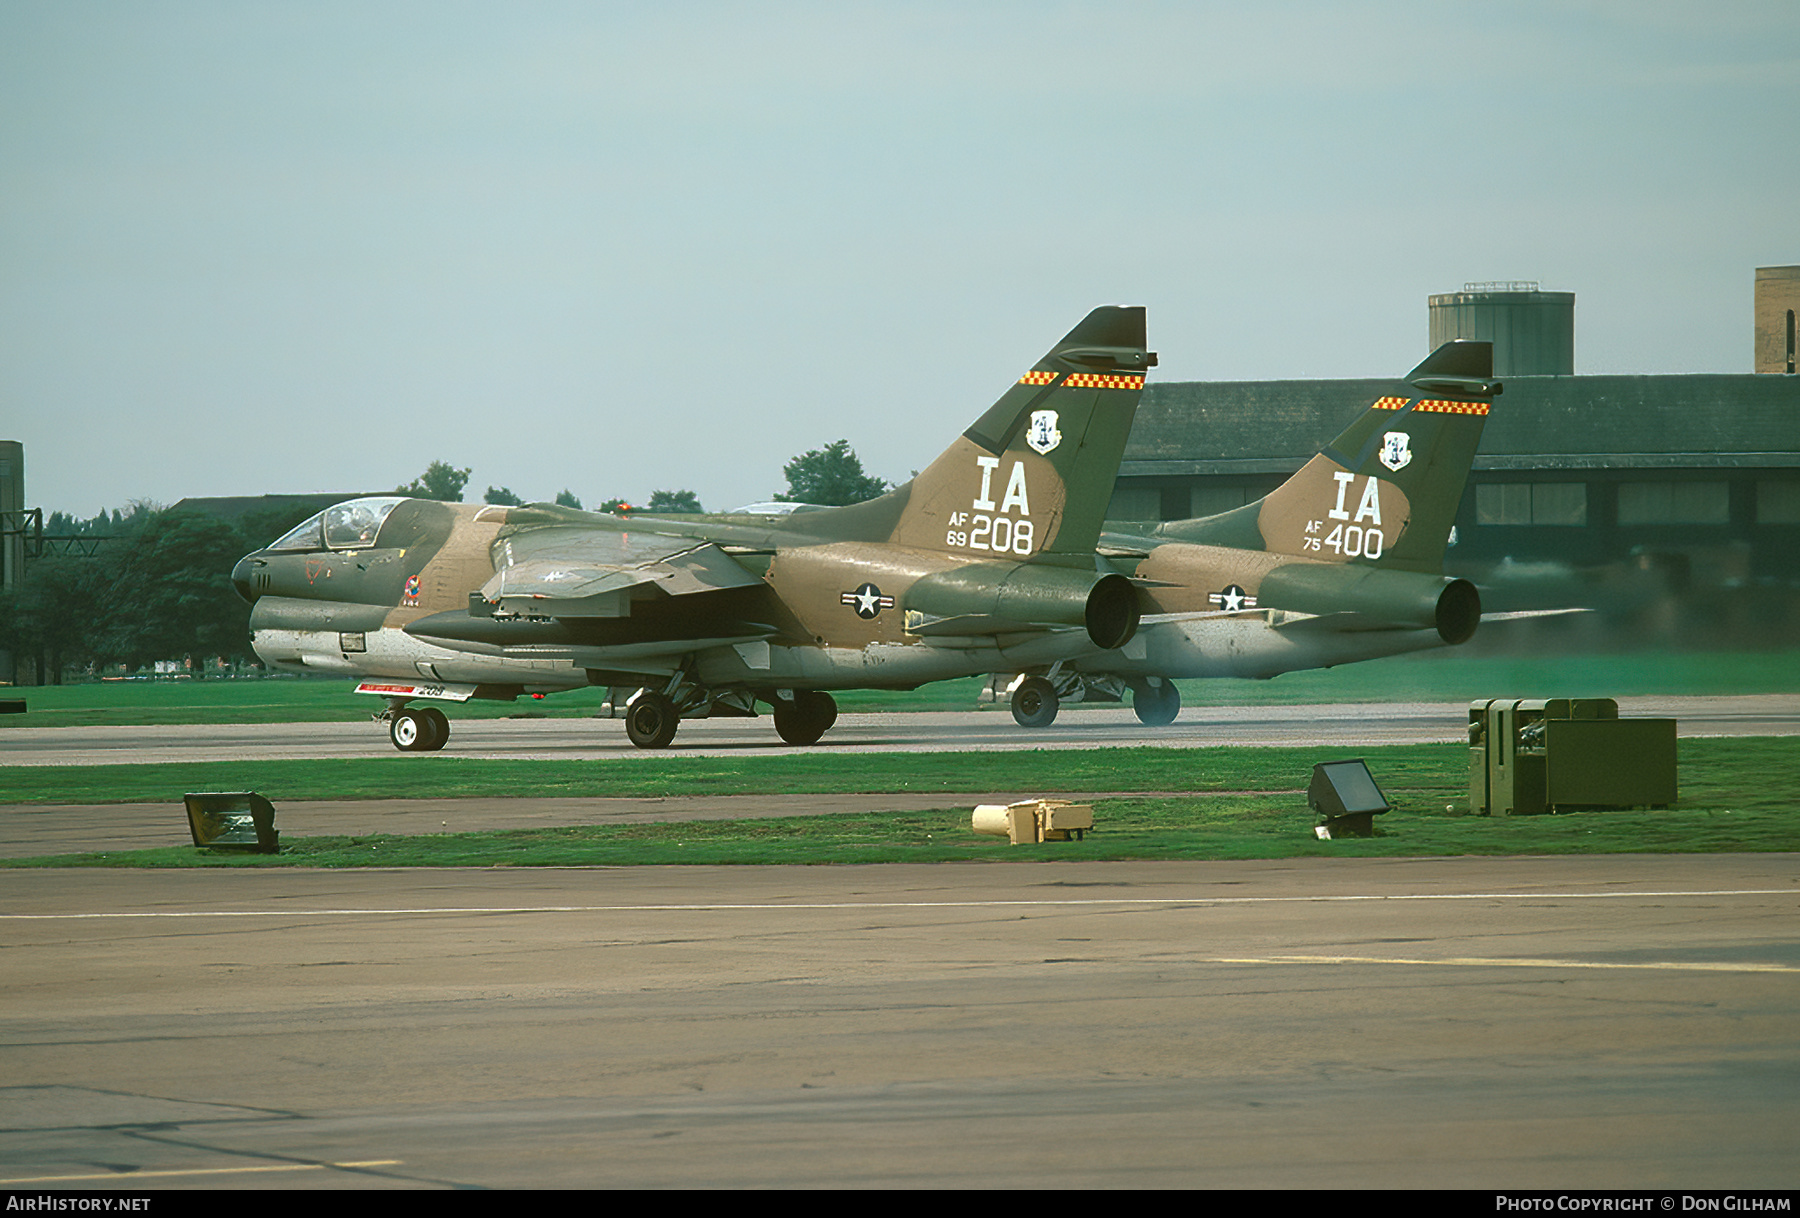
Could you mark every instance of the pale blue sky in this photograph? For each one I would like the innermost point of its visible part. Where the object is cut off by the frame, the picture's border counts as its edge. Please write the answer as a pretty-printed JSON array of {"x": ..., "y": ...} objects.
[{"x": 314, "y": 246}]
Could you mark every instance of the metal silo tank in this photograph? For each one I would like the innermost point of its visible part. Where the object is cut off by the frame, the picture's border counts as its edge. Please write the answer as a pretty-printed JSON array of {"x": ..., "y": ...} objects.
[{"x": 1533, "y": 331}]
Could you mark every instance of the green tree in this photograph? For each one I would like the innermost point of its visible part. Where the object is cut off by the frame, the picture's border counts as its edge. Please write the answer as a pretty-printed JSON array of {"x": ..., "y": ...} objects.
[
  {"x": 170, "y": 592},
  {"x": 501, "y": 495},
  {"x": 675, "y": 501},
  {"x": 51, "y": 617},
  {"x": 831, "y": 476},
  {"x": 160, "y": 588},
  {"x": 566, "y": 498},
  {"x": 439, "y": 481},
  {"x": 618, "y": 507}
]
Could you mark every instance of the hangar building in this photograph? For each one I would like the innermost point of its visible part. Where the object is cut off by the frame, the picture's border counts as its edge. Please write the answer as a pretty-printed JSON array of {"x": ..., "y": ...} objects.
[{"x": 1694, "y": 474}]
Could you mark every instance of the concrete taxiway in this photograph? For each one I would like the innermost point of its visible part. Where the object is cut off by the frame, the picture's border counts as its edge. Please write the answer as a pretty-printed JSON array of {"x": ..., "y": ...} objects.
[
  {"x": 1615, "y": 1022},
  {"x": 926, "y": 731}
]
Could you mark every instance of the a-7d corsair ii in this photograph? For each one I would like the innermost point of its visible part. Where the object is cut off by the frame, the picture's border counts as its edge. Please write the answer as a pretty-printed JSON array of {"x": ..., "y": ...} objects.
[
  {"x": 1342, "y": 562},
  {"x": 984, "y": 561}
]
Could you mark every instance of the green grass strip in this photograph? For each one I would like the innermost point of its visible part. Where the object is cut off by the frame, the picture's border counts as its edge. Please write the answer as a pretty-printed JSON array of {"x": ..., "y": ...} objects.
[
  {"x": 1736, "y": 795},
  {"x": 436, "y": 776}
]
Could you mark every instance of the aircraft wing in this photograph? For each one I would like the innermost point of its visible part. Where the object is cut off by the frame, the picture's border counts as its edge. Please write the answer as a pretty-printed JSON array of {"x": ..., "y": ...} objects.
[{"x": 598, "y": 575}]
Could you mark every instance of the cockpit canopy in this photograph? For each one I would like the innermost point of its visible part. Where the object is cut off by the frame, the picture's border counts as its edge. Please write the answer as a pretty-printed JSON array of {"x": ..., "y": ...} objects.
[{"x": 351, "y": 525}]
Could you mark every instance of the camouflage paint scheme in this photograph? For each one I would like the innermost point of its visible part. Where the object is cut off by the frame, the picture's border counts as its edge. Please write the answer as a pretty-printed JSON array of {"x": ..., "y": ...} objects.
[
  {"x": 1342, "y": 562},
  {"x": 985, "y": 560}
]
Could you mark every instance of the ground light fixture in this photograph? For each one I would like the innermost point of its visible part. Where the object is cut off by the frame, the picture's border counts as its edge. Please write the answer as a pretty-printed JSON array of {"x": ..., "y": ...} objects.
[
  {"x": 232, "y": 820},
  {"x": 1347, "y": 799}
]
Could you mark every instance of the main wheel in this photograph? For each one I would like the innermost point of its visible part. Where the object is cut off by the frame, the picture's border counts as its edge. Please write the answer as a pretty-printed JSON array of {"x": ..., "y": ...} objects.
[
  {"x": 440, "y": 727},
  {"x": 651, "y": 720},
  {"x": 1034, "y": 703},
  {"x": 809, "y": 716},
  {"x": 412, "y": 731},
  {"x": 1156, "y": 705}
]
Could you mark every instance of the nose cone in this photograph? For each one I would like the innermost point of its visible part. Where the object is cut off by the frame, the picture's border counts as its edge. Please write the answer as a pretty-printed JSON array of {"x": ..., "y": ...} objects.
[{"x": 243, "y": 577}]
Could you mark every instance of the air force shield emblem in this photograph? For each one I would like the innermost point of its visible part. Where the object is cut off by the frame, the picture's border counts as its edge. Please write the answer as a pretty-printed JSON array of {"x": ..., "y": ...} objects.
[
  {"x": 1394, "y": 451},
  {"x": 1042, "y": 437}
]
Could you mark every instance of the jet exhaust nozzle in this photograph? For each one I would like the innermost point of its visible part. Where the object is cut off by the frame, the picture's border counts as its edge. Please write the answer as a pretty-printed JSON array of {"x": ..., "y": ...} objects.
[{"x": 987, "y": 600}]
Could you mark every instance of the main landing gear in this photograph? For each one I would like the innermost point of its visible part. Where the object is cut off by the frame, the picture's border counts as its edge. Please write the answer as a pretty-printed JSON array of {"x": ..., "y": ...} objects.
[
  {"x": 651, "y": 719},
  {"x": 1036, "y": 699},
  {"x": 1035, "y": 702},
  {"x": 801, "y": 717},
  {"x": 806, "y": 718},
  {"x": 1156, "y": 702},
  {"x": 424, "y": 729}
]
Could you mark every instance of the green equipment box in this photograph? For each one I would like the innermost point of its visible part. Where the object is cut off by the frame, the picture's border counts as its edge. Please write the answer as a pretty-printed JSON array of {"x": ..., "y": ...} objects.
[{"x": 1528, "y": 756}]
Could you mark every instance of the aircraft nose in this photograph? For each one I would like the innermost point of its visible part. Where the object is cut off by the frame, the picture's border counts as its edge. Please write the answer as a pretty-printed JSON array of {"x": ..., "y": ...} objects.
[{"x": 243, "y": 577}]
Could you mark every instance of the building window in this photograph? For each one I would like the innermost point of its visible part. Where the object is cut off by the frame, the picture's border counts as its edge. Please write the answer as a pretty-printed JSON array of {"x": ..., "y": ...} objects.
[
  {"x": 1777, "y": 502},
  {"x": 1553, "y": 503},
  {"x": 1674, "y": 503}
]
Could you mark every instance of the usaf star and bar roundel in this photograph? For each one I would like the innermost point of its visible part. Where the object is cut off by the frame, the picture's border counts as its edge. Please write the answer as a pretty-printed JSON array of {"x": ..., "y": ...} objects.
[
  {"x": 867, "y": 601},
  {"x": 1233, "y": 599}
]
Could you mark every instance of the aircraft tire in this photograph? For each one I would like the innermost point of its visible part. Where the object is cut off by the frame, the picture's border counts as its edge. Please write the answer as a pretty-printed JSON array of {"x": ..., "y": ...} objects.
[
  {"x": 412, "y": 731},
  {"x": 1156, "y": 705},
  {"x": 805, "y": 719},
  {"x": 651, "y": 720},
  {"x": 827, "y": 709},
  {"x": 1034, "y": 703},
  {"x": 440, "y": 728}
]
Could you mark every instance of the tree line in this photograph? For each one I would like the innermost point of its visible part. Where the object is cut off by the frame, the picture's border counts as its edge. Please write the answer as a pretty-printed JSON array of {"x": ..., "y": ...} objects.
[
  {"x": 829, "y": 477},
  {"x": 159, "y": 586}
]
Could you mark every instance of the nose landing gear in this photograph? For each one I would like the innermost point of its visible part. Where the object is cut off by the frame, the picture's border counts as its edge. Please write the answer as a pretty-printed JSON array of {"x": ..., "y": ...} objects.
[{"x": 425, "y": 729}]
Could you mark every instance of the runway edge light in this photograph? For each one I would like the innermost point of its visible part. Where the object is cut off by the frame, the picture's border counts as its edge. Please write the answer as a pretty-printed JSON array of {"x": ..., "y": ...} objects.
[
  {"x": 1345, "y": 795},
  {"x": 232, "y": 820}
]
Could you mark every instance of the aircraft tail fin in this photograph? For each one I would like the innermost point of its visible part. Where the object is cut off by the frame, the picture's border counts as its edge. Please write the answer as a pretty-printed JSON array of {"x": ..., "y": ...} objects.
[
  {"x": 1034, "y": 474},
  {"x": 1031, "y": 478},
  {"x": 1386, "y": 490}
]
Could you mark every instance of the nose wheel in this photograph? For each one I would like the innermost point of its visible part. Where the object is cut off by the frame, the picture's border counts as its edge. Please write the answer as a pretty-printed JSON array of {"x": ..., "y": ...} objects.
[{"x": 424, "y": 730}]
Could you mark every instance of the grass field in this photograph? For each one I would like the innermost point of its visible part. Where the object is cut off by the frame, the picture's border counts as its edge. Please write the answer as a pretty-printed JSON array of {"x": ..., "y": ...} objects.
[
  {"x": 1439, "y": 676},
  {"x": 1237, "y": 803}
]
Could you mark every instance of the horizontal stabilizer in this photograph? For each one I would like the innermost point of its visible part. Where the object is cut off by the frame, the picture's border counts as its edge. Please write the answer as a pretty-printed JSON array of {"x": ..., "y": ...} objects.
[{"x": 1462, "y": 365}]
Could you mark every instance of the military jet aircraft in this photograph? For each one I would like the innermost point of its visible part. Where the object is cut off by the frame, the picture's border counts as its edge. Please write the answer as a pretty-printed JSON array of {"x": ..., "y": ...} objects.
[
  {"x": 1342, "y": 562},
  {"x": 987, "y": 559}
]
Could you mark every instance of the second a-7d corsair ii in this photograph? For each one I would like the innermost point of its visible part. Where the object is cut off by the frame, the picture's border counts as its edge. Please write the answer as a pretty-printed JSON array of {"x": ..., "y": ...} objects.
[
  {"x": 1343, "y": 562},
  {"x": 984, "y": 561}
]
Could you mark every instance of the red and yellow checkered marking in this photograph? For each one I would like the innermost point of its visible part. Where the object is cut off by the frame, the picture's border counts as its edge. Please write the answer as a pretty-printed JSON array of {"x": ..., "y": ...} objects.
[
  {"x": 1037, "y": 378},
  {"x": 1105, "y": 380},
  {"x": 1433, "y": 405},
  {"x": 1444, "y": 406}
]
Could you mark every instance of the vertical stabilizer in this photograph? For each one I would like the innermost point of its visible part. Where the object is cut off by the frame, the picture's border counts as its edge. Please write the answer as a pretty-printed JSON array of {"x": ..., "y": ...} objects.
[
  {"x": 1032, "y": 476},
  {"x": 1386, "y": 490}
]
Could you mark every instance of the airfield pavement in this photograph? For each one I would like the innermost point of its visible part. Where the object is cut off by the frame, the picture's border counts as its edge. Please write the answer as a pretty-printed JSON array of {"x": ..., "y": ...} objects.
[
  {"x": 1625, "y": 1022},
  {"x": 1112, "y": 726},
  {"x": 1618, "y": 1022}
]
